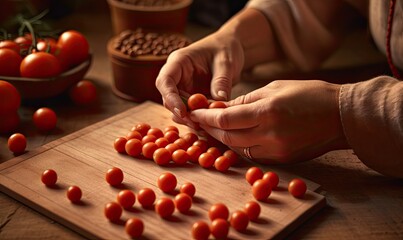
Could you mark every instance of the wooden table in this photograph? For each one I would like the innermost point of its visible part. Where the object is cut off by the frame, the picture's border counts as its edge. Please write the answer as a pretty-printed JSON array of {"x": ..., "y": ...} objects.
[{"x": 361, "y": 204}]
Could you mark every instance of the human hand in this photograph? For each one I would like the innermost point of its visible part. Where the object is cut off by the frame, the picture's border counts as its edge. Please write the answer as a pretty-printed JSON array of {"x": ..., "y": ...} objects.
[
  {"x": 214, "y": 62},
  {"x": 285, "y": 121}
]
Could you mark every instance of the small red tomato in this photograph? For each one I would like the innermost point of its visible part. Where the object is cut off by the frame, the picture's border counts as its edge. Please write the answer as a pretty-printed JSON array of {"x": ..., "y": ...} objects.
[
  {"x": 222, "y": 163},
  {"x": 76, "y": 45},
  {"x": 113, "y": 211},
  {"x": 142, "y": 128},
  {"x": 219, "y": 228},
  {"x": 233, "y": 156},
  {"x": 126, "y": 198},
  {"x": 49, "y": 177},
  {"x": 217, "y": 104},
  {"x": 146, "y": 197},
  {"x": 148, "y": 138},
  {"x": 188, "y": 188},
  {"x": 134, "y": 227},
  {"x": 239, "y": 220},
  {"x": 17, "y": 143},
  {"x": 156, "y": 132},
  {"x": 165, "y": 207},
  {"x": 194, "y": 153},
  {"x": 148, "y": 150},
  {"x": 162, "y": 142},
  {"x": 297, "y": 187},
  {"x": 171, "y": 128},
  {"x": 206, "y": 160},
  {"x": 83, "y": 93},
  {"x": 162, "y": 156},
  {"x": 172, "y": 147},
  {"x": 74, "y": 194},
  {"x": 273, "y": 179},
  {"x": 134, "y": 134},
  {"x": 114, "y": 176},
  {"x": 47, "y": 45},
  {"x": 200, "y": 230},
  {"x": 40, "y": 65},
  {"x": 218, "y": 210},
  {"x": 202, "y": 144},
  {"x": 133, "y": 147},
  {"x": 252, "y": 209},
  {"x": 167, "y": 182},
  {"x": 253, "y": 174},
  {"x": 214, "y": 151},
  {"x": 180, "y": 157},
  {"x": 190, "y": 137},
  {"x": 197, "y": 101},
  {"x": 261, "y": 189},
  {"x": 183, "y": 202},
  {"x": 119, "y": 144},
  {"x": 182, "y": 143},
  {"x": 171, "y": 136},
  {"x": 10, "y": 62},
  {"x": 45, "y": 119}
]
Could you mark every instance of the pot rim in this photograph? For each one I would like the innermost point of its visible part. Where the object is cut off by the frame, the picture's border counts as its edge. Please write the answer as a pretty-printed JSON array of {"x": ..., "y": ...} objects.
[{"x": 179, "y": 5}]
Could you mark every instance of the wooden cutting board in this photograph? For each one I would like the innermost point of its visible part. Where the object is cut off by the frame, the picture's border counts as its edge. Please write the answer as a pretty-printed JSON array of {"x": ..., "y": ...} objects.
[{"x": 82, "y": 159}]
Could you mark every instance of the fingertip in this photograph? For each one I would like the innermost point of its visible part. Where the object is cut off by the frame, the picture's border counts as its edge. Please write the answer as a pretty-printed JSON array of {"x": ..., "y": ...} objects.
[{"x": 222, "y": 95}]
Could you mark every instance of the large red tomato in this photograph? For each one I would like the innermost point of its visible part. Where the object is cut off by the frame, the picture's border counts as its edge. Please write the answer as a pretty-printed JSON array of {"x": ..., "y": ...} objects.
[
  {"x": 10, "y": 62},
  {"x": 10, "y": 98},
  {"x": 40, "y": 65},
  {"x": 76, "y": 45}
]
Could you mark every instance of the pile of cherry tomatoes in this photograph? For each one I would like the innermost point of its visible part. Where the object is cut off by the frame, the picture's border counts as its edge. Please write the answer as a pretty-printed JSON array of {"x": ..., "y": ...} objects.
[{"x": 31, "y": 57}]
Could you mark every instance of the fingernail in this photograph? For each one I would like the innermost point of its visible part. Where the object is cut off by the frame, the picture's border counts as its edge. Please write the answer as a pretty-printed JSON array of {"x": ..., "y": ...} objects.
[
  {"x": 177, "y": 112},
  {"x": 222, "y": 94}
]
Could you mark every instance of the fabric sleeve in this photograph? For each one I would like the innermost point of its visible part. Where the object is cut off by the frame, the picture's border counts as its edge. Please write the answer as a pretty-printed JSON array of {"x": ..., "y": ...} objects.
[{"x": 372, "y": 118}]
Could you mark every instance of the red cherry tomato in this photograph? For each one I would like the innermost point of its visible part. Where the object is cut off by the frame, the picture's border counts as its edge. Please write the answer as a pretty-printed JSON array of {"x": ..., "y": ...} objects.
[
  {"x": 162, "y": 156},
  {"x": 273, "y": 179},
  {"x": 171, "y": 136},
  {"x": 119, "y": 144},
  {"x": 113, "y": 211},
  {"x": 182, "y": 143},
  {"x": 142, "y": 128},
  {"x": 40, "y": 65},
  {"x": 114, "y": 176},
  {"x": 190, "y": 137},
  {"x": 222, "y": 163},
  {"x": 239, "y": 220},
  {"x": 180, "y": 157},
  {"x": 47, "y": 45},
  {"x": 253, "y": 174},
  {"x": 197, "y": 101},
  {"x": 45, "y": 119},
  {"x": 162, "y": 142},
  {"x": 165, "y": 207},
  {"x": 10, "y": 45},
  {"x": 188, "y": 188},
  {"x": 202, "y": 144},
  {"x": 200, "y": 230},
  {"x": 10, "y": 62},
  {"x": 134, "y": 227},
  {"x": 218, "y": 210},
  {"x": 149, "y": 149},
  {"x": 17, "y": 143},
  {"x": 74, "y": 194},
  {"x": 9, "y": 122},
  {"x": 233, "y": 156},
  {"x": 297, "y": 187},
  {"x": 49, "y": 177},
  {"x": 261, "y": 189},
  {"x": 214, "y": 151},
  {"x": 156, "y": 132},
  {"x": 206, "y": 160},
  {"x": 83, "y": 93},
  {"x": 126, "y": 198},
  {"x": 24, "y": 42},
  {"x": 252, "y": 209},
  {"x": 194, "y": 153},
  {"x": 171, "y": 128},
  {"x": 146, "y": 197},
  {"x": 134, "y": 134},
  {"x": 133, "y": 147},
  {"x": 172, "y": 147},
  {"x": 219, "y": 228},
  {"x": 183, "y": 202},
  {"x": 217, "y": 104},
  {"x": 148, "y": 138},
  {"x": 76, "y": 45},
  {"x": 167, "y": 182}
]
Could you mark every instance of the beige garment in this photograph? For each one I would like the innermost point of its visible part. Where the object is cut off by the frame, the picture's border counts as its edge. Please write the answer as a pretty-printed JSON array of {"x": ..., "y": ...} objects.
[{"x": 371, "y": 111}]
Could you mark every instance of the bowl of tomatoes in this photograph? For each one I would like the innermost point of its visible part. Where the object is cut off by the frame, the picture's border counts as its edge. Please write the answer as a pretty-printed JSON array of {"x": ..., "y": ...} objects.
[{"x": 44, "y": 67}]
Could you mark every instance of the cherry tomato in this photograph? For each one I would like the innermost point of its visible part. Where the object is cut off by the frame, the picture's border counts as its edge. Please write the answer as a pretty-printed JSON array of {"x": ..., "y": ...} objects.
[
  {"x": 165, "y": 207},
  {"x": 218, "y": 210},
  {"x": 148, "y": 138},
  {"x": 162, "y": 156},
  {"x": 180, "y": 157},
  {"x": 24, "y": 42},
  {"x": 83, "y": 93},
  {"x": 197, "y": 101},
  {"x": 182, "y": 143},
  {"x": 146, "y": 197},
  {"x": 47, "y": 45},
  {"x": 113, "y": 211},
  {"x": 206, "y": 160},
  {"x": 76, "y": 45},
  {"x": 10, "y": 62},
  {"x": 219, "y": 228},
  {"x": 183, "y": 202},
  {"x": 261, "y": 189},
  {"x": 167, "y": 182},
  {"x": 202, "y": 144},
  {"x": 114, "y": 176},
  {"x": 239, "y": 220},
  {"x": 134, "y": 134},
  {"x": 214, "y": 151},
  {"x": 10, "y": 45},
  {"x": 252, "y": 209},
  {"x": 10, "y": 98},
  {"x": 253, "y": 174},
  {"x": 49, "y": 177},
  {"x": 149, "y": 149},
  {"x": 74, "y": 194},
  {"x": 134, "y": 227},
  {"x": 233, "y": 156},
  {"x": 200, "y": 230},
  {"x": 222, "y": 163},
  {"x": 217, "y": 104},
  {"x": 273, "y": 179},
  {"x": 162, "y": 142},
  {"x": 172, "y": 147},
  {"x": 119, "y": 144},
  {"x": 190, "y": 137},
  {"x": 188, "y": 188},
  {"x": 171, "y": 136},
  {"x": 194, "y": 153},
  {"x": 297, "y": 187},
  {"x": 9, "y": 122},
  {"x": 133, "y": 147},
  {"x": 17, "y": 143},
  {"x": 171, "y": 128},
  {"x": 126, "y": 198},
  {"x": 142, "y": 128},
  {"x": 156, "y": 132},
  {"x": 40, "y": 65},
  {"x": 45, "y": 119}
]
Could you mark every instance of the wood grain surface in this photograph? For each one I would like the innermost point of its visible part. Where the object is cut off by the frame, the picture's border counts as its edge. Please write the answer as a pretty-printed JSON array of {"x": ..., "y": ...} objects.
[{"x": 82, "y": 158}]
